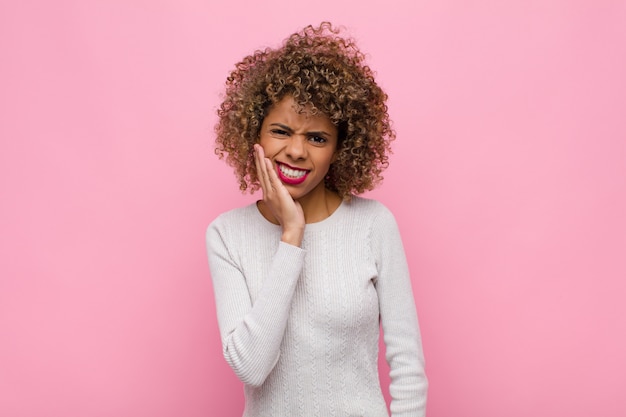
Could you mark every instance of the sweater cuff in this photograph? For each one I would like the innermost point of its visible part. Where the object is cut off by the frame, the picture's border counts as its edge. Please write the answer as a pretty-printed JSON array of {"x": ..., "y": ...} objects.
[{"x": 288, "y": 260}]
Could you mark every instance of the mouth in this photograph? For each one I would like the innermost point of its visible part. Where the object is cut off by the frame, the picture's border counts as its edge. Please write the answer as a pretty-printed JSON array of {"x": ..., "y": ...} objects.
[{"x": 291, "y": 175}]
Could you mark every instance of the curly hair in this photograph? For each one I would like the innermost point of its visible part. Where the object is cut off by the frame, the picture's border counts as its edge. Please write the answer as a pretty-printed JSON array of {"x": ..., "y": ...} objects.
[{"x": 324, "y": 73}]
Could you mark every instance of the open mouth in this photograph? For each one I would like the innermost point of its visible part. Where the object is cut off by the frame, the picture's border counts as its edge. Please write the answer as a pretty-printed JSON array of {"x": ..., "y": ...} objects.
[{"x": 291, "y": 175}]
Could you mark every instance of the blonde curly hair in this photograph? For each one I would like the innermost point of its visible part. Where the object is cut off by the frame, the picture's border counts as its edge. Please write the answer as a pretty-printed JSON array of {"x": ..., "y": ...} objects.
[{"x": 324, "y": 73}]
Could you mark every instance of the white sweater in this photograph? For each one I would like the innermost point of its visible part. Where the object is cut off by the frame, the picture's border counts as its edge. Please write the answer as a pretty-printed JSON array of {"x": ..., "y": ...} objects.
[{"x": 300, "y": 326}]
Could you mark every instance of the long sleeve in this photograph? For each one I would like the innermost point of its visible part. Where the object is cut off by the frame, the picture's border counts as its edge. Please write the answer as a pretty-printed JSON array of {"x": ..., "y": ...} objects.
[
  {"x": 251, "y": 332},
  {"x": 300, "y": 326},
  {"x": 402, "y": 338}
]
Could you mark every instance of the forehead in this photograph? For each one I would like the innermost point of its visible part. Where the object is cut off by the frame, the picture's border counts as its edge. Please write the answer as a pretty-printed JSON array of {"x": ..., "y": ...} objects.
[{"x": 288, "y": 111}]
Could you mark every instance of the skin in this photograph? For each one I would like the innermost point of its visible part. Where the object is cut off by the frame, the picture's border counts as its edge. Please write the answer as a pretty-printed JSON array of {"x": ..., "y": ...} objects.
[{"x": 300, "y": 141}]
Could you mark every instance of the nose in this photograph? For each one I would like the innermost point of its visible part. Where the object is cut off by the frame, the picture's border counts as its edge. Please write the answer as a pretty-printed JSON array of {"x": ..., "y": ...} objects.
[{"x": 296, "y": 147}]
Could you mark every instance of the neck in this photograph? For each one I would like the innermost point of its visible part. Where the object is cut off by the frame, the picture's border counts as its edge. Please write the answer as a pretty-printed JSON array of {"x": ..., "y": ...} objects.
[{"x": 319, "y": 205}]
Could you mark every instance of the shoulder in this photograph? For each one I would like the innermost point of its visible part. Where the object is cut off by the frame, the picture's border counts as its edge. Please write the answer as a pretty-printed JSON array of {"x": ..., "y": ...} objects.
[
  {"x": 378, "y": 220},
  {"x": 370, "y": 208},
  {"x": 236, "y": 215},
  {"x": 232, "y": 221}
]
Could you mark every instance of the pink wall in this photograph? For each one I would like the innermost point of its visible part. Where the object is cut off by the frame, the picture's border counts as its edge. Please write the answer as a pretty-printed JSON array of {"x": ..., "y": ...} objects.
[{"x": 508, "y": 181}]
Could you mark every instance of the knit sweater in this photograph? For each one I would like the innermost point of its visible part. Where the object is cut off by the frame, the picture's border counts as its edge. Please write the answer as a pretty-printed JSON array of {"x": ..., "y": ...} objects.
[{"x": 300, "y": 325}]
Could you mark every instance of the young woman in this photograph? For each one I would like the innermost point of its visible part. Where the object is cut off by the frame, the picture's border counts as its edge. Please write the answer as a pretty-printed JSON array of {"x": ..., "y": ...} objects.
[{"x": 304, "y": 277}]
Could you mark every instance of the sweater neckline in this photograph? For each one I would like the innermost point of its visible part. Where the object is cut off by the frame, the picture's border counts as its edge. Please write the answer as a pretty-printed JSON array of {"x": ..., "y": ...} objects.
[{"x": 328, "y": 221}]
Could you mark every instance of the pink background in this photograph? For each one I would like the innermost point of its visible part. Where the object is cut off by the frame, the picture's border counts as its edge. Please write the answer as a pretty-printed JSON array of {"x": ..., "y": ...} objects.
[{"x": 508, "y": 180}]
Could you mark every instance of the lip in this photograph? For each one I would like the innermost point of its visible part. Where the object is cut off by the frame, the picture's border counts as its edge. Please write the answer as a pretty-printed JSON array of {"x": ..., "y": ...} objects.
[{"x": 288, "y": 180}]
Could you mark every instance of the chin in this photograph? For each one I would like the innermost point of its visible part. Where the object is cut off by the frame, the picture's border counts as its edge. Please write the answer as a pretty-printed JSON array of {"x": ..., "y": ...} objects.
[{"x": 297, "y": 194}]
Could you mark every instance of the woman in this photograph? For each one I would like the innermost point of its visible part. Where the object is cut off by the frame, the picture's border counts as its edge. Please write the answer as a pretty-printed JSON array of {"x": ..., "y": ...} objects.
[{"x": 303, "y": 277}]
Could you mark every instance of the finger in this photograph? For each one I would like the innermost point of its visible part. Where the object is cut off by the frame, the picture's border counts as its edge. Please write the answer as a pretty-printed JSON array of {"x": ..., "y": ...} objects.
[
  {"x": 275, "y": 182},
  {"x": 262, "y": 169},
  {"x": 267, "y": 168},
  {"x": 257, "y": 164}
]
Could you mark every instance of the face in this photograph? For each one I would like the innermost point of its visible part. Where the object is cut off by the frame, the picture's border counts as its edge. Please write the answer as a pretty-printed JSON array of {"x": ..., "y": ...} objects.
[{"x": 301, "y": 147}]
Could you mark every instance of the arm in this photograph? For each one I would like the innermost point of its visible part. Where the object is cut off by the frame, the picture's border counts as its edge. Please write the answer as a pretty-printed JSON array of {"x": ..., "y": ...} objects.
[
  {"x": 402, "y": 338},
  {"x": 252, "y": 334}
]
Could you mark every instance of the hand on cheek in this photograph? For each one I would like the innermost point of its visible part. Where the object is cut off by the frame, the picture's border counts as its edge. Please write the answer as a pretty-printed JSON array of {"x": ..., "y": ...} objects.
[{"x": 276, "y": 197}]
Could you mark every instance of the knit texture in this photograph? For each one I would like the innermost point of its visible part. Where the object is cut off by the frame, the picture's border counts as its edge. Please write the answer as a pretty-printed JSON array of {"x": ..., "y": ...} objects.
[{"x": 300, "y": 326}]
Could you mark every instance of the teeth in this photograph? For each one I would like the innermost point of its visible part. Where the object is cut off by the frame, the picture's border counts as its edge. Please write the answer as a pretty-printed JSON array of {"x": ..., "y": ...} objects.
[{"x": 291, "y": 173}]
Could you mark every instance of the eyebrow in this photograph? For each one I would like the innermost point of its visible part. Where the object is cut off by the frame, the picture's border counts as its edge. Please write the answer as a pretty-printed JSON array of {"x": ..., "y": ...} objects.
[{"x": 290, "y": 130}]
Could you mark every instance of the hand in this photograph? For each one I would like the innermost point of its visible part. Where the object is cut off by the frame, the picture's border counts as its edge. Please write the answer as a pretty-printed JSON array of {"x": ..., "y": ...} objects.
[{"x": 283, "y": 207}]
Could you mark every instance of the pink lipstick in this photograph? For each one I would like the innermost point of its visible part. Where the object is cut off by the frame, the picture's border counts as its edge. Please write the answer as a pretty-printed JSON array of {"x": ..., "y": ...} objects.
[{"x": 291, "y": 175}]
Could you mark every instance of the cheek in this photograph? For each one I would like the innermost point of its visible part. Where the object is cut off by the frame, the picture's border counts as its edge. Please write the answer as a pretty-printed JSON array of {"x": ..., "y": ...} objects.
[
  {"x": 266, "y": 144},
  {"x": 332, "y": 155}
]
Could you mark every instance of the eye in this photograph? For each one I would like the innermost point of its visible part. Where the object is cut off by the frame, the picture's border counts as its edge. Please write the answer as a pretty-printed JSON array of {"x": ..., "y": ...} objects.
[
  {"x": 279, "y": 132},
  {"x": 318, "y": 140}
]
